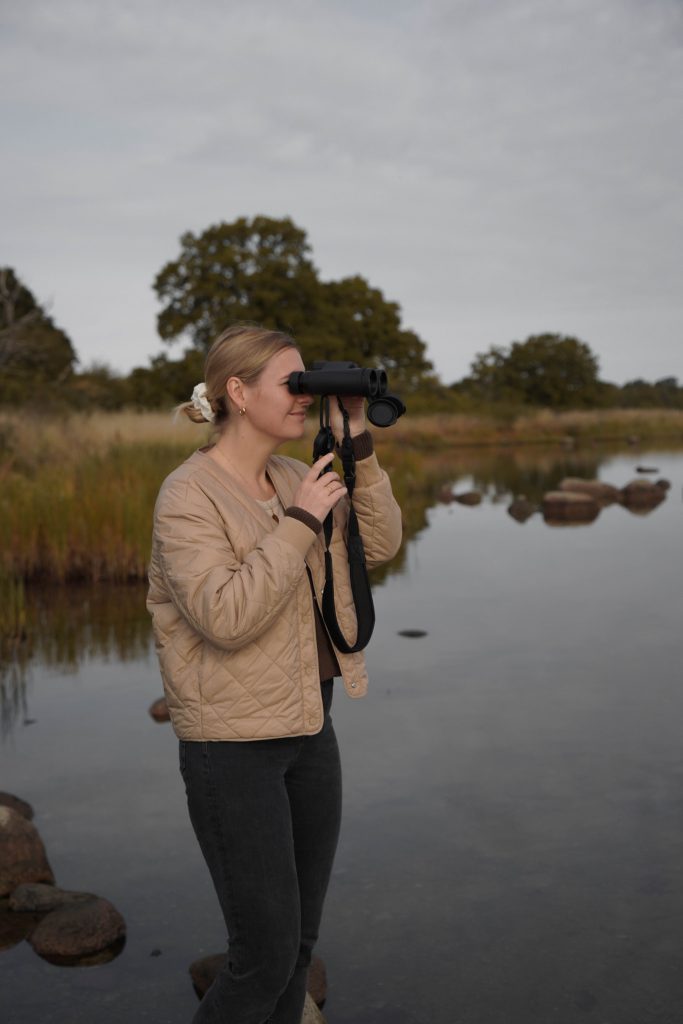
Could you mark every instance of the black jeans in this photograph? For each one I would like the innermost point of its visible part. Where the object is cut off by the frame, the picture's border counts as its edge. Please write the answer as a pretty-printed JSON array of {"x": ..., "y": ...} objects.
[{"x": 266, "y": 814}]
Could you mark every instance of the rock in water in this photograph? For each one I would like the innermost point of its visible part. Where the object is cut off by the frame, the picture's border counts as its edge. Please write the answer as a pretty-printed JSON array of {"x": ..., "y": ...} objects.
[
  {"x": 312, "y": 1014},
  {"x": 36, "y": 898},
  {"x": 22, "y": 808},
  {"x": 560, "y": 507},
  {"x": 15, "y": 927},
  {"x": 78, "y": 930},
  {"x": 204, "y": 970},
  {"x": 468, "y": 498},
  {"x": 159, "y": 710},
  {"x": 605, "y": 493},
  {"x": 521, "y": 509},
  {"x": 22, "y": 854},
  {"x": 412, "y": 632},
  {"x": 316, "y": 982},
  {"x": 642, "y": 495}
]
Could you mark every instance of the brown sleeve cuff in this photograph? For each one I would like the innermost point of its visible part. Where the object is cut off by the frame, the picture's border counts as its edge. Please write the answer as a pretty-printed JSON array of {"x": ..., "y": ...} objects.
[
  {"x": 363, "y": 445},
  {"x": 307, "y": 518}
]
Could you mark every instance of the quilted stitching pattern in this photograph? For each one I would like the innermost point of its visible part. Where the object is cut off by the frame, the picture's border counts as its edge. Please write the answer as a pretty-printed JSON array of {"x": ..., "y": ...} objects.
[{"x": 231, "y": 603}]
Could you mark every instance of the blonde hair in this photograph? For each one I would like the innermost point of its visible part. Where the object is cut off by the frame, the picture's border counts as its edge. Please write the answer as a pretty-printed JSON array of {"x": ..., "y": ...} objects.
[{"x": 242, "y": 350}]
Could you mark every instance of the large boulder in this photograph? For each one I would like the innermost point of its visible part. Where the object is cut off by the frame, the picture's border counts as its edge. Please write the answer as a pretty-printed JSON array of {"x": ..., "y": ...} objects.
[
  {"x": 78, "y": 930},
  {"x": 605, "y": 493},
  {"x": 37, "y": 898},
  {"x": 22, "y": 854},
  {"x": 562, "y": 507},
  {"x": 18, "y": 805}
]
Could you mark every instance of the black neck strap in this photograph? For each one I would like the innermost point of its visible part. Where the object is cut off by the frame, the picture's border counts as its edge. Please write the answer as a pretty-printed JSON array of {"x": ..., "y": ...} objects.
[{"x": 358, "y": 573}]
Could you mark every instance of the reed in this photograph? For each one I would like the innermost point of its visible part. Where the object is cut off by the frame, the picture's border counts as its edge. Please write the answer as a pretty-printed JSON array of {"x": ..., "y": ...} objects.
[
  {"x": 77, "y": 492},
  {"x": 12, "y": 611},
  {"x": 536, "y": 427}
]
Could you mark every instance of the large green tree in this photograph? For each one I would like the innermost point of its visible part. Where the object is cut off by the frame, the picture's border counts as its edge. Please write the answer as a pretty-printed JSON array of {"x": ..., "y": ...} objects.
[
  {"x": 261, "y": 270},
  {"x": 34, "y": 352},
  {"x": 547, "y": 370},
  {"x": 247, "y": 270}
]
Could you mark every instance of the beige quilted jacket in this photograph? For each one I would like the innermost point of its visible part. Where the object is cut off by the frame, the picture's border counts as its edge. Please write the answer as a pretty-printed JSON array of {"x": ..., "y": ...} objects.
[{"x": 231, "y": 601}]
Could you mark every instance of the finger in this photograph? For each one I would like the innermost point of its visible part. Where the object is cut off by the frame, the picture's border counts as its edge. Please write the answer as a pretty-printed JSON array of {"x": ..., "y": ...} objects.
[{"x": 320, "y": 464}]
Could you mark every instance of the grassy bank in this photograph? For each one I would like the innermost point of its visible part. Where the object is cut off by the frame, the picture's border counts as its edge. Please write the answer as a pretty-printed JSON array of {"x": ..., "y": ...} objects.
[
  {"x": 76, "y": 494},
  {"x": 628, "y": 426}
]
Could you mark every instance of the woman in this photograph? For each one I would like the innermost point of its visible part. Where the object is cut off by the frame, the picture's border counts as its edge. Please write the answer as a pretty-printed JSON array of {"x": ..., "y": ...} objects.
[{"x": 235, "y": 579}]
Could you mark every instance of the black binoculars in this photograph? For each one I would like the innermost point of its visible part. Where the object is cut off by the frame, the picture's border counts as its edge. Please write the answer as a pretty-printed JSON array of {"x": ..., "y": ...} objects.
[{"x": 326, "y": 378}]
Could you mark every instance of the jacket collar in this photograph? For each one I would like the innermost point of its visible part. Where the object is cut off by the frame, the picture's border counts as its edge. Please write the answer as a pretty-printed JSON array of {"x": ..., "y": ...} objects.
[{"x": 281, "y": 480}]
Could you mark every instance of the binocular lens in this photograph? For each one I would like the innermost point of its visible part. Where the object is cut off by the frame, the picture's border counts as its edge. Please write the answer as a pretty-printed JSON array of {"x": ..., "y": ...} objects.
[{"x": 382, "y": 412}]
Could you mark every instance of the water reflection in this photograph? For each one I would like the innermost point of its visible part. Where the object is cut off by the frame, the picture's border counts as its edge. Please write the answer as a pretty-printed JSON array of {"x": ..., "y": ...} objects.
[
  {"x": 509, "y": 473},
  {"x": 564, "y": 488},
  {"x": 518, "y": 767},
  {"x": 64, "y": 625}
]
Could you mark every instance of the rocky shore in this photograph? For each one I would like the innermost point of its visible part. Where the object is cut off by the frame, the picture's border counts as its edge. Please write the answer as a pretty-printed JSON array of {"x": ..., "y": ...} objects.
[{"x": 61, "y": 925}]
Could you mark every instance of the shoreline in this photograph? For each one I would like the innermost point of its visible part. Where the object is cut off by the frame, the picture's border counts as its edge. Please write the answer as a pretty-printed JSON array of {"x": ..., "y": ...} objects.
[{"x": 78, "y": 492}]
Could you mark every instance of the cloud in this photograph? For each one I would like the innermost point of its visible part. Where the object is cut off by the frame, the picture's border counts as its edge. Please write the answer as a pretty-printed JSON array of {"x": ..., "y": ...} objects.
[{"x": 496, "y": 168}]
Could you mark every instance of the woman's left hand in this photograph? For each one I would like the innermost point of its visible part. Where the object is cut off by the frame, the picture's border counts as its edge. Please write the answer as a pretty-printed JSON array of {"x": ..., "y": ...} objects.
[{"x": 355, "y": 406}]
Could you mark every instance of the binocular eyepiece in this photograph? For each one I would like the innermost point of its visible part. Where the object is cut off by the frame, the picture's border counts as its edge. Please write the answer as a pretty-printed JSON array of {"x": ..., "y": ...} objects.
[{"x": 347, "y": 378}]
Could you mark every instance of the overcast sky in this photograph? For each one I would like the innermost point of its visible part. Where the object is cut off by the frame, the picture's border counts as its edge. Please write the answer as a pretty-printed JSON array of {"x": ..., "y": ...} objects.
[{"x": 499, "y": 168}]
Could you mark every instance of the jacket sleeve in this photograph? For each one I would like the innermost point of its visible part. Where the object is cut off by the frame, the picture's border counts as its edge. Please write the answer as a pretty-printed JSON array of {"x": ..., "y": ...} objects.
[
  {"x": 228, "y": 602},
  {"x": 379, "y": 516}
]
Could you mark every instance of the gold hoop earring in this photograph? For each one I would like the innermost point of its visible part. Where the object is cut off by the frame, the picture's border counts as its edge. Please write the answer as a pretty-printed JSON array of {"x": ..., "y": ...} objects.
[{"x": 243, "y": 411}]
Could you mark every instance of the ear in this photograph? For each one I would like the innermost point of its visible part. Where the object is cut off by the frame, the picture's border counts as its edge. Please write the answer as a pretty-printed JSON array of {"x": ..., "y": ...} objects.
[{"x": 233, "y": 388}]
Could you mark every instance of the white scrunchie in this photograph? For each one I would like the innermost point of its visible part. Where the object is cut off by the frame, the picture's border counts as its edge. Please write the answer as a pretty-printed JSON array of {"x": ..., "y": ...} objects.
[{"x": 201, "y": 402}]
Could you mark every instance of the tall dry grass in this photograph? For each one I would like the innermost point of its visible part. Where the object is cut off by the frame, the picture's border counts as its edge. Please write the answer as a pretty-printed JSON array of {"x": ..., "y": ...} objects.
[
  {"x": 537, "y": 427},
  {"x": 77, "y": 492}
]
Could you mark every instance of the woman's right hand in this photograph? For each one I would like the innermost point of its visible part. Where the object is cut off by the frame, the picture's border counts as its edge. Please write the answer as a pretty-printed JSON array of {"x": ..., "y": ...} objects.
[{"x": 319, "y": 492}]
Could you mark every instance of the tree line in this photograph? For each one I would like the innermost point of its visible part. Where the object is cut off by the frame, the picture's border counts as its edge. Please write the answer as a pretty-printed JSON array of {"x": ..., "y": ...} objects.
[{"x": 261, "y": 270}]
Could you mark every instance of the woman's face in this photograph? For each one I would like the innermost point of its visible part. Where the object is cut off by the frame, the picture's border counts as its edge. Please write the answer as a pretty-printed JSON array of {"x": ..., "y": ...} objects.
[{"x": 271, "y": 408}]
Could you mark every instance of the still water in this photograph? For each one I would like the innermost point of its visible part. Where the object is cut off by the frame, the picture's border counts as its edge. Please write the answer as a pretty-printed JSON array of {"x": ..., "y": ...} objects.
[{"x": 512, "y": 846}]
